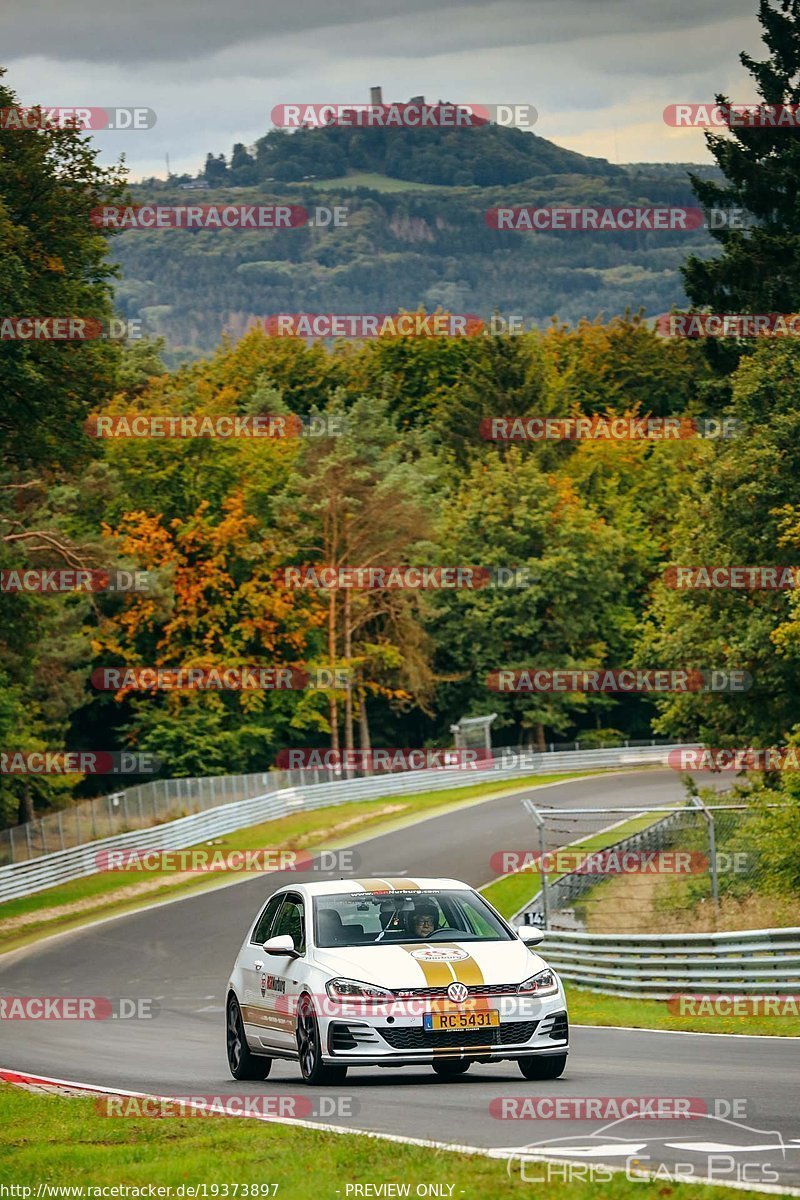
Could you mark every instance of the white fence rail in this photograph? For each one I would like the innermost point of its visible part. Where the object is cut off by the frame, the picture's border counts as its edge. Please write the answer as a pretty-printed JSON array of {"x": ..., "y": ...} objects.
[
  {"x": 657, "y": 966},
  {"x": 34, "y": 875}
]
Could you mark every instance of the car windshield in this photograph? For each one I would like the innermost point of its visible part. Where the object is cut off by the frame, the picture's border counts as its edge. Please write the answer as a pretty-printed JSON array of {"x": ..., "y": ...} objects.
[{"x": 423, "y": 915}]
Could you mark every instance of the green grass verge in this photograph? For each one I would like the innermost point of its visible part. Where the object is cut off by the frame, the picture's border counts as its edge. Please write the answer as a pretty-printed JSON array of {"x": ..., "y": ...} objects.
[
  {"x": 64, "y": 1141},
  {"x": 370, "y": 179},
  {"x": 591, "y": 1008},
  {"x": 511, "y": 892},
  {"x": 69, "y": 905}
]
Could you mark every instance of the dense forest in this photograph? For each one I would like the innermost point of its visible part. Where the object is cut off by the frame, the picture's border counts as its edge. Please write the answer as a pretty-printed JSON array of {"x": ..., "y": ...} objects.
[{"x": 389, "y": 466}]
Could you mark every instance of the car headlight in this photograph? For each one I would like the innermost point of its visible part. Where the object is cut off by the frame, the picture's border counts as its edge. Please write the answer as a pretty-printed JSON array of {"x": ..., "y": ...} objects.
[
  {"x": 354, "y": 989},
  {"x": 542, "y": 984}
]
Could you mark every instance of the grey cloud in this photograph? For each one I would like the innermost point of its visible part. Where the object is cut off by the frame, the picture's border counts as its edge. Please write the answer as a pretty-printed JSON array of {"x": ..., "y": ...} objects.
[{"x": 120, "y": 31}]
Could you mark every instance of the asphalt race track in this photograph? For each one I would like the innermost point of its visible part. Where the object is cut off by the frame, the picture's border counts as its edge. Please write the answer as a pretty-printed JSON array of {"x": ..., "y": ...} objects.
[{"x": 181, "y": 953}]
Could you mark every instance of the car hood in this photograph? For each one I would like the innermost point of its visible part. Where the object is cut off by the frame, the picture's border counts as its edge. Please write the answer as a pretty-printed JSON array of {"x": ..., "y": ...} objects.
[{"x": 432, "y": 964}]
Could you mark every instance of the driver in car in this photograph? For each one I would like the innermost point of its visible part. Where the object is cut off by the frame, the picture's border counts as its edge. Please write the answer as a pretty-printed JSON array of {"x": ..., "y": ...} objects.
[{"x": 424, "y": 919}]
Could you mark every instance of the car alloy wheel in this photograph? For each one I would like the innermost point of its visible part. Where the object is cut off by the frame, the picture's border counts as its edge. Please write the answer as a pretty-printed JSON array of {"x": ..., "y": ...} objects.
[
  {"x": 307, "y": 1039},
  {"x": 235, "y": 1034},
  {"x": 241, "y": 1062},
  {"x": 309, "y": 1050}
]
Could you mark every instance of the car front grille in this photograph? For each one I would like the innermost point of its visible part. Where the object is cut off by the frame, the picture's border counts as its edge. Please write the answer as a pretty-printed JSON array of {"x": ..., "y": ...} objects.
[
  {"x": 478, "y": 989},
  {"x": 415, "y": 1038}
]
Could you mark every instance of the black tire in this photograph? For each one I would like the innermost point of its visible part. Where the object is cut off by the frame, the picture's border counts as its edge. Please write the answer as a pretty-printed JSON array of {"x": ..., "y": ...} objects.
[
  {"x": 309, "y": 1050},
  {"x": 550, "y": 1066},
  {"x": 450, "y": 1067},
  {"x": 242, "y": 1064}
]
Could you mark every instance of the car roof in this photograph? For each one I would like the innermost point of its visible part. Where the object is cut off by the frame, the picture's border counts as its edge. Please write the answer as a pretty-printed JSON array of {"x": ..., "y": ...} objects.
[{"x": 376, "y": 884}]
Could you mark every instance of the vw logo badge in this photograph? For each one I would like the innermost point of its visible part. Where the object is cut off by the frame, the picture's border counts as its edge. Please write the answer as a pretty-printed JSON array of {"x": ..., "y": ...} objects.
[{"x": 458, "y": 992}]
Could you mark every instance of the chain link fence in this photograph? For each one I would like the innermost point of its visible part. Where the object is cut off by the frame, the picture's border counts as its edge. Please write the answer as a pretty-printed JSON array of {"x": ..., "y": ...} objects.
[
  {"x": 164, "y": 800},
  {"x": 688, "y": 868}
]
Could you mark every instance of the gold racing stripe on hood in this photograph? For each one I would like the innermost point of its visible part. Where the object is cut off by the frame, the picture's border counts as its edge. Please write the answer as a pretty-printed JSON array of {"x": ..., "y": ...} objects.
[
  {"x": 379, "y": 884},
  {"x": 437, "y": 974},
  {"x": 375, "y": 885},
  {"x": 440, "y": 974},
  {"x": 466, "y": 970}
]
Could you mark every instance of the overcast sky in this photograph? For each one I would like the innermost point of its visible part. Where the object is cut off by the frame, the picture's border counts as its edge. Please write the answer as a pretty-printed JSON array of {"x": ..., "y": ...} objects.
[{"x": 599, "y": 72}]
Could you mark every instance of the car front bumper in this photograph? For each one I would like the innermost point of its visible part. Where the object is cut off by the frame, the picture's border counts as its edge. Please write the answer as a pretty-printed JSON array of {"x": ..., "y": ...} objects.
[{"x": 527, "y": 1026}]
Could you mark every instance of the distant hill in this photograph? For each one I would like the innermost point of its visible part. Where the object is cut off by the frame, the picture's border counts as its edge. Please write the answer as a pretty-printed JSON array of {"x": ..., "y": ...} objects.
[
  {"x": 416, "y": 235},
  {"x": 473, "y": 157},
  {"x": 401, "y": 249}
]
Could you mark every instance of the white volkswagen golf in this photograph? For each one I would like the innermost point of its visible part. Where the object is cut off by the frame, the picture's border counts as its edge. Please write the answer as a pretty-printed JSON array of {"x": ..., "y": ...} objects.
[{"x": 391, "y": 973}]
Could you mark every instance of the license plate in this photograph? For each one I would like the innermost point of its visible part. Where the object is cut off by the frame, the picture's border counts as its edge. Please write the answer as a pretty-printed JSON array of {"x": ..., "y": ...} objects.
[{"x": 461, "y": 1020}]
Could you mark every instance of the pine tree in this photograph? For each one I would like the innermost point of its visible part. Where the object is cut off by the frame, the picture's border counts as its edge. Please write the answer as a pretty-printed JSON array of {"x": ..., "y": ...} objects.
[{"x": 759, "y": 268}]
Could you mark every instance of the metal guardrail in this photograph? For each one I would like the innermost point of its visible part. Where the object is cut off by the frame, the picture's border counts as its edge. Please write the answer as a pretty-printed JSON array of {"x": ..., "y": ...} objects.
[
  {"x": 161, "y": 800},
  {"x": 37, "y": 874},
  {"x": 658, "y": 966}
]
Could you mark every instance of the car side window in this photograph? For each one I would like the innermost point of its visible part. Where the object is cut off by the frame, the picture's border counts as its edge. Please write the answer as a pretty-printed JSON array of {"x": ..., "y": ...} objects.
[
  {"x": 261, "y": 931},
  {"x": 291, "y": 920}
]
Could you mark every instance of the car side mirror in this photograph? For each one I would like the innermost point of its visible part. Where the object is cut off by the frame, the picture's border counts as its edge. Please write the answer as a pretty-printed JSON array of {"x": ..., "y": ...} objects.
[
  {"x": 283, "y": 944},
  {"x": 530, "y": 935}
]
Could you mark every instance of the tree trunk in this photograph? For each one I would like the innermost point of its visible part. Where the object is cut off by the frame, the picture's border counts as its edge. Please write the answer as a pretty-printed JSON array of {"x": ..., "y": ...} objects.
[
  {"x": 363, "y": 728},
  {"x": 541, "y": 745},
  {"x": 333, "y": 707},
  {"x": 349, "y": 744},
  {"x": 25, "y": 811}
]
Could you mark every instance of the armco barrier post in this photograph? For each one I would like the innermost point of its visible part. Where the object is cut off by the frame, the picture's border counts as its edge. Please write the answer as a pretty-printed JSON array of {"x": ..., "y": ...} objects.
[
  {"x": 712, "y": 850},
  {"x": 539, "y": 819}
]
